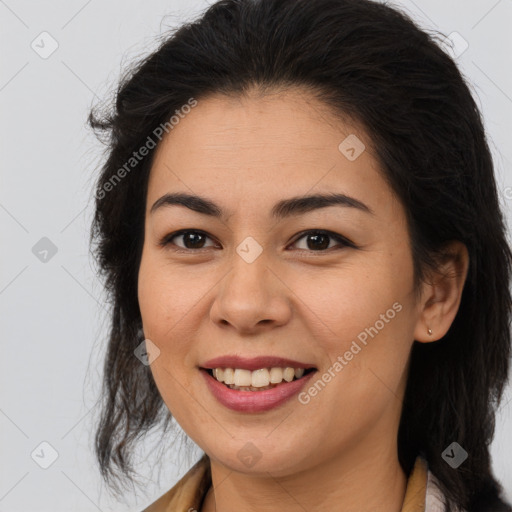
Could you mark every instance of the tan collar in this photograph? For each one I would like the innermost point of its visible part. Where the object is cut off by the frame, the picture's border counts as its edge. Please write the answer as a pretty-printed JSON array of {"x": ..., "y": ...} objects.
[{"x": 189, "y": 492}]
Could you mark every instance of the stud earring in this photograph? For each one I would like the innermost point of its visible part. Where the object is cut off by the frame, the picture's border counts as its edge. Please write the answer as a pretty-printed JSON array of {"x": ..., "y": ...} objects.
[{"x": 429, "y": 331}]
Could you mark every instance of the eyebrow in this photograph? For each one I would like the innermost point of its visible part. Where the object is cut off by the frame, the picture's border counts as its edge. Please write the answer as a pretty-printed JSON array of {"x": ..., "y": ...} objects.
[{"x": 283, "y": 209}]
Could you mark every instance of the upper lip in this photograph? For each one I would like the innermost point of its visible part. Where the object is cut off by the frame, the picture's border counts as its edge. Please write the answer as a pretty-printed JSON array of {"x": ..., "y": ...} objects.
[{"x": 254, "y": 363}]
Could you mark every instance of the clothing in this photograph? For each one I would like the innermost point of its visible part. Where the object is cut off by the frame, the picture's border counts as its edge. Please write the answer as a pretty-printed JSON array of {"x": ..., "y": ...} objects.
[{"x": 422, "y": 492}]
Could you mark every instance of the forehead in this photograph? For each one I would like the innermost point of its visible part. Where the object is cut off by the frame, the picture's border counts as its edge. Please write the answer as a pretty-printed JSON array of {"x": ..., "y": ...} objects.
[
  {"x": 257, "y": 148},
  {"x": 286, "y": 125}
]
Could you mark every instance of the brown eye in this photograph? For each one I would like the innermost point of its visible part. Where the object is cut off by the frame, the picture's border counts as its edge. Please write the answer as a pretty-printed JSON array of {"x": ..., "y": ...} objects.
[
  {"x": 191, "y": 239},
  {"x": 320, "y": 240},
  {"x": 316, "y": 240}
]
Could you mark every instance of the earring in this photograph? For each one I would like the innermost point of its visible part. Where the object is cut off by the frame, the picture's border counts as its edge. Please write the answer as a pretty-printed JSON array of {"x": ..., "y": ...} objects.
[{"x": 429, "y": 331}]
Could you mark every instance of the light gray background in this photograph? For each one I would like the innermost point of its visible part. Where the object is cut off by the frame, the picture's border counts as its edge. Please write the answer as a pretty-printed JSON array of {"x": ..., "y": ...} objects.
[{"x": 52, "y": 313}]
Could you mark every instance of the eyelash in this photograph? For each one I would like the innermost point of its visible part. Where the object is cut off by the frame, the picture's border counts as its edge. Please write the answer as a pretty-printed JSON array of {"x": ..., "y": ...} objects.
[{"x": 345, "y": 242}]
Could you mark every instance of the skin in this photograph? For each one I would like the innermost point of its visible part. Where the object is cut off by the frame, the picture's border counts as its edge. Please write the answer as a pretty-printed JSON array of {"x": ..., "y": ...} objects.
[{"x": 295, "y": 301}]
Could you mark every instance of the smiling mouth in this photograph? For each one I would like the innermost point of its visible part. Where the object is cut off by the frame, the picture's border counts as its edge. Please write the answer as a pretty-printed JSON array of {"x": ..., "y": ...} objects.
[{"x": 257, "y": 380}]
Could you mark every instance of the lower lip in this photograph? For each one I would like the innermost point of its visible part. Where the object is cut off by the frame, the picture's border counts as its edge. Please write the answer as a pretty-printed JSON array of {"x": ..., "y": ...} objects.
[{"x": 254, "y": 401}]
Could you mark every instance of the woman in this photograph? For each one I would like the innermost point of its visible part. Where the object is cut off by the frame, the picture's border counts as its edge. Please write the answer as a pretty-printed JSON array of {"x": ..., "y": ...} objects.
[{"x": 360, "y": 373}]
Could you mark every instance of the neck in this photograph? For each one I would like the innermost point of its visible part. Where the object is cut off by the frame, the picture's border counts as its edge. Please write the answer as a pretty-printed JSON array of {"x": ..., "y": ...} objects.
[{"x": 351, "y": 483}]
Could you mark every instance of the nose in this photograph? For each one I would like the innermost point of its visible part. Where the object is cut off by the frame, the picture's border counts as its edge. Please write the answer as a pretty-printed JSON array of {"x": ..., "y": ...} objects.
[{"x": 251, "y": 297}]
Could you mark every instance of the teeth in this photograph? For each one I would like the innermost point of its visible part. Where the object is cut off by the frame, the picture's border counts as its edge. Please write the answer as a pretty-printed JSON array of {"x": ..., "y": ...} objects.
[
  {"x": 238, "y": 378},
  {"x": 243, "y": 377},
  {"x": 276, "y": 375},
  {"x": 288, "y": 374},
  {"x": 229, "y": 376},
  {"x": 259, "y": 378}
]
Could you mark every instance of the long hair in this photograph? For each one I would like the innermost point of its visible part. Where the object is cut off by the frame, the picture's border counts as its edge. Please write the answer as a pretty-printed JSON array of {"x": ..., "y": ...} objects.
[{"x": 370, "y": 62}]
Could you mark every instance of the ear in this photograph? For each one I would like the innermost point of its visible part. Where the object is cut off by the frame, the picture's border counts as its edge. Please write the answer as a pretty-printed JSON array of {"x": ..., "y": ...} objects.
[{"x": 441, "y": 294}]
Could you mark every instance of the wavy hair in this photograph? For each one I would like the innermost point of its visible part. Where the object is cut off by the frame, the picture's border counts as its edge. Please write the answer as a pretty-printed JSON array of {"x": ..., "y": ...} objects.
[{"x": 370, "y": 62}]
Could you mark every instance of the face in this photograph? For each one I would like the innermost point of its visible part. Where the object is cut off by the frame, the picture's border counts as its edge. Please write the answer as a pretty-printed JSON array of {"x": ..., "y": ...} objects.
[{"x": 326, "y": 285}]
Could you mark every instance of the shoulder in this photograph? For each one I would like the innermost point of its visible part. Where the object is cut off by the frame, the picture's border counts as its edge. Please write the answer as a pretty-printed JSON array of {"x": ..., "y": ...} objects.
[
  {"x": 188, "y": 493},
  {"x": 435, "y": 499}
]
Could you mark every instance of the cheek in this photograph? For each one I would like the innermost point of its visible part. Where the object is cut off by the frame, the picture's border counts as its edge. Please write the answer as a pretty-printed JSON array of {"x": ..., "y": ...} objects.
[
  {"x": 351, "y": 299},
  {"x": 172, "y": 305},
  {"x": 163, "y": 294},
  {"x": 163, "y": 304},
  {"x": 364, "y": 314}
]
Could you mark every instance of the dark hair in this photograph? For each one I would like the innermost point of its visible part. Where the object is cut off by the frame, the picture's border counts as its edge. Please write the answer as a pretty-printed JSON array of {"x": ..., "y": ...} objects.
[{"x": 371, "y": 63}]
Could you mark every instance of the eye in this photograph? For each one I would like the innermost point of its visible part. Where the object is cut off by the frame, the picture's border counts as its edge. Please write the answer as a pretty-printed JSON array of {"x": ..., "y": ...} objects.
[
  {"x": 319, "y": 240},
  {"x": 193, "y": 239}
]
